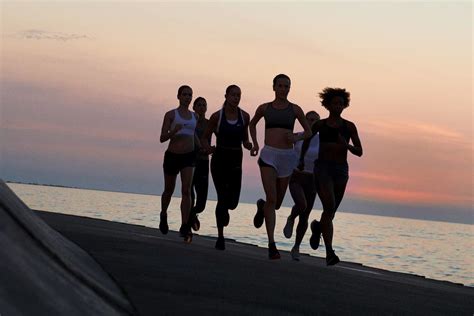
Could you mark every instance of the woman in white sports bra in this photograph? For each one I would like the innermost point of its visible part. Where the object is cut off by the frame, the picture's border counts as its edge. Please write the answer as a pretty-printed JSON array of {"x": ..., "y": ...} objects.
[
  {"x": 179, "y": 128},
  {"x": 277, "y": 158}
]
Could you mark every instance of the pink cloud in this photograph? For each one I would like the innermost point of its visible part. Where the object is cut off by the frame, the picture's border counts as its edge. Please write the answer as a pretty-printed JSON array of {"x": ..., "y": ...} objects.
[
  {"x": 409, "y": 196},
  {"x": 416, "y": 129},
  {"x": 379, "y": 177}
]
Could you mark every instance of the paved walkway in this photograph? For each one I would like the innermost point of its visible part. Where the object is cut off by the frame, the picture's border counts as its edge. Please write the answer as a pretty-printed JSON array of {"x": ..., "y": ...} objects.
[{"x": 162, "y": 275}]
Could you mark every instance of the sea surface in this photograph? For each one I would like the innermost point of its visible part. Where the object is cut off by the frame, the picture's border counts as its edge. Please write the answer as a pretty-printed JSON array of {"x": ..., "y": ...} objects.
[{"x": 436, "y": 250}]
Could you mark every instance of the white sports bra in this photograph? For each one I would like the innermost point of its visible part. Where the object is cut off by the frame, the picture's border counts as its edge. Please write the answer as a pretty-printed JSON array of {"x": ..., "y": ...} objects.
[
  {"x": 188, "y": 126},
  {"x": 311, "y": 154}
]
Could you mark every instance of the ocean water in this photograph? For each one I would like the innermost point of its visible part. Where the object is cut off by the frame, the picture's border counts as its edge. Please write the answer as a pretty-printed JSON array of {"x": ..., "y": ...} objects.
[{"x": 436, "y": 250}]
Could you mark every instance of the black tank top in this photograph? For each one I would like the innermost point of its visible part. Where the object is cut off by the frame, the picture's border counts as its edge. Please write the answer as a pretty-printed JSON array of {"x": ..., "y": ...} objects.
[
  {"x": 230, "y": 135},
  {"x": 281, "y": 118},
  {"x": 328, "y": 134}
]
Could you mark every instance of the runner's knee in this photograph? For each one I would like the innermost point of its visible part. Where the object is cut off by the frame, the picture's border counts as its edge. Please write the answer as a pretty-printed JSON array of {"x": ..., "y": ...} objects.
[{"x": 185, "y": 191}]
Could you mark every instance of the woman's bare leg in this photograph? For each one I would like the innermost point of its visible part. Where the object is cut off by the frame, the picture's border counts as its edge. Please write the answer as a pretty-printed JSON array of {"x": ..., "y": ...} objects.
[
  {"x": 170, "y": 183},
  {"x": 186, "y": 182},
  {"x": 269, "y": 181}
]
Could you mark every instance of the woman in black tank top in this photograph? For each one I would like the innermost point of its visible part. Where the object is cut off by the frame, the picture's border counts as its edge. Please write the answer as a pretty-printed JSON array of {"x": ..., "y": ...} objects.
[
  {"x": 331, "y": 170},
  {"x": 230, "y": 125}
]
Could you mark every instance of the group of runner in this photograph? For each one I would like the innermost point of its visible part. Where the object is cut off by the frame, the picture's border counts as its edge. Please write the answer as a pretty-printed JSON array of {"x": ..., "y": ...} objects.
[{"x": 311, "y": 163}]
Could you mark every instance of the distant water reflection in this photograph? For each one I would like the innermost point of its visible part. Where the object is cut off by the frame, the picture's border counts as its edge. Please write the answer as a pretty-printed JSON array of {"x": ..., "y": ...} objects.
[{"x": 436, "y": 250}]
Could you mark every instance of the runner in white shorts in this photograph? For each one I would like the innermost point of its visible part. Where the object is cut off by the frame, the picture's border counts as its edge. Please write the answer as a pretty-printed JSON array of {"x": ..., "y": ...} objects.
[{"x": 277, "y": 159}]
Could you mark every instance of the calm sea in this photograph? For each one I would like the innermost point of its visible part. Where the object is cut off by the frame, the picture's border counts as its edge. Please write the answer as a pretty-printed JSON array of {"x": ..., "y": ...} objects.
[{"x": 437, "y": 250}]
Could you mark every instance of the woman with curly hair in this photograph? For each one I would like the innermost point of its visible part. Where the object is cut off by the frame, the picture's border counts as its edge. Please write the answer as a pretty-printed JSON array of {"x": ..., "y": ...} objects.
[{"x": 331, "y": 169}]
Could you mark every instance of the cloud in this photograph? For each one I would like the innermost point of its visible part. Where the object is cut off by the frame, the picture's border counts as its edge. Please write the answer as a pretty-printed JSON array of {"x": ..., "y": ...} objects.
[
  {"x": 380, "y": 177},
  {"x": 408, "y": 161},
  {"x": 46, "y": 35},
  {"x": 410, "y": 196},
  {"x": 420, "y": 130}
]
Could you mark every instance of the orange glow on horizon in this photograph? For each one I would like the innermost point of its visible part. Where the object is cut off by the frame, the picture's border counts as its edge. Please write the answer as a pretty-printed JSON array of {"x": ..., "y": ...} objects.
[{"x": 405, "y": 196}]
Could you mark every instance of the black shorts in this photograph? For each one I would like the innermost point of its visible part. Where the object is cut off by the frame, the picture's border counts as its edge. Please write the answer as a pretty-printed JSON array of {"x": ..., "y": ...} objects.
[
  {"x": 331, "y": 171},
  {"x": 174, "y": 163}
]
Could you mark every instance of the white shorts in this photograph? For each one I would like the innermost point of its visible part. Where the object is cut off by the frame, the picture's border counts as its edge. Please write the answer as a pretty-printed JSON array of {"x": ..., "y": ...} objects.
[{"x": 282, "y": 160}]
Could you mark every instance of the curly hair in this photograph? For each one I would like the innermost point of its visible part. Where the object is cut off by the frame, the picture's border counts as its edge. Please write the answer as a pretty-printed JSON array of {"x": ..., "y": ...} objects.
[{"x": 328, "y": 93}]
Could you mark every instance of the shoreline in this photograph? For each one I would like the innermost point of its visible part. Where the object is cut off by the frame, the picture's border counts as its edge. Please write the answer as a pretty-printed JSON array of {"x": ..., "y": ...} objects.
[
  {"x": 210, "y": 199},
  {"x": 396, "y": 244}
]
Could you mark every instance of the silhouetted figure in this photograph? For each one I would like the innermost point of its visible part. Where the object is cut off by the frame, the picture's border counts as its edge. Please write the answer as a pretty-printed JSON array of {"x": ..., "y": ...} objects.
[
  {"x": 179, "y": 128},
  {"x": 201, "y": 170},
  {"x": 230, "y": 125},
  {"x": 303, "y": 189},
  {"x": 331, "y": 169},
  {"x": 277, "y": 158}
]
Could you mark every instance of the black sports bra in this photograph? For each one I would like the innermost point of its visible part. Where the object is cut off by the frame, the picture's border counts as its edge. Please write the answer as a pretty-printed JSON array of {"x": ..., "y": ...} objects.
[
  {"x": 279, "y": 118},
  {"x": 328, "y": 134}
]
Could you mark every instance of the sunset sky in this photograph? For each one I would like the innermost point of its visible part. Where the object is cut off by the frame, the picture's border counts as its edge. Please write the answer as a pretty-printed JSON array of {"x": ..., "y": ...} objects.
[{"x": 84, "y": 86}]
